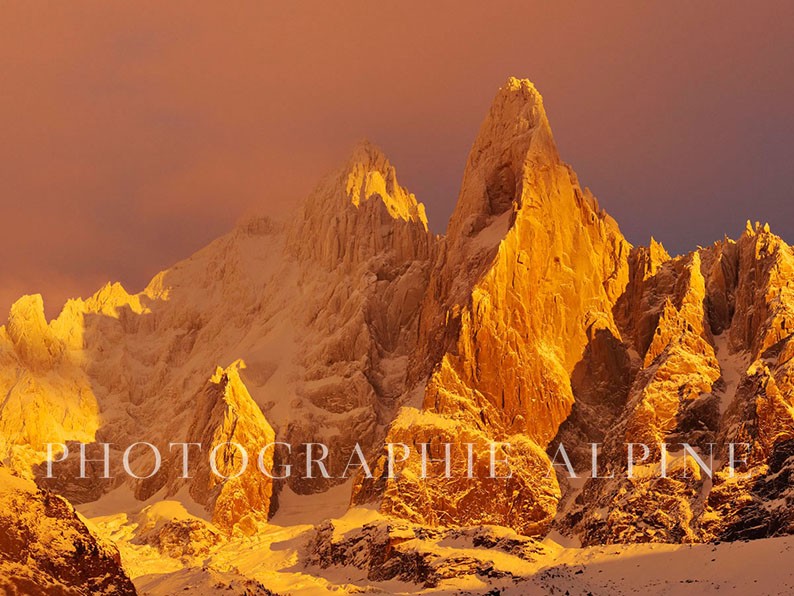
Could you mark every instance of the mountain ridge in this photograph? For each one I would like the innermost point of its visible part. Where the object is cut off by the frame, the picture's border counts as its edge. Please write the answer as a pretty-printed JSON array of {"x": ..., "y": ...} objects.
[{"x": 532, "y": 321}]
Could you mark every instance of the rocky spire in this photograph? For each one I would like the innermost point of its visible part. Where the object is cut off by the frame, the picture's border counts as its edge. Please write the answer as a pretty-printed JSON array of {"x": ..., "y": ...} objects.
[
  {"x": 34, "y": 342},
  {"x": 226, "y": 415},
  {"x": 369, "y": 175},
  {"x": 530, "y": 264},
  {"x": 359, "y": 211},
  {"x": 514, "y": 139}
]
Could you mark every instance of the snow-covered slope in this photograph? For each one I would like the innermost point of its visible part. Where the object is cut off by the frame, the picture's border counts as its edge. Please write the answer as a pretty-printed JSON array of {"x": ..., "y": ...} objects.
[{"x": 364, "y": 551}]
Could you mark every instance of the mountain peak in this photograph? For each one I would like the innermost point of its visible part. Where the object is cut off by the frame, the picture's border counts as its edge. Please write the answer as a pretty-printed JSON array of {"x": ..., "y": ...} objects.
[
  {"x": 369, "y": 174},
  {"x": 367, "y": 153},
  {"x": 34, "y": 342},
  {"x": 358, "y": 209},
  {"x": 514, "y": 140},
  {"x": 525, "y": 86},
  {"x": 517, "y": 116}
]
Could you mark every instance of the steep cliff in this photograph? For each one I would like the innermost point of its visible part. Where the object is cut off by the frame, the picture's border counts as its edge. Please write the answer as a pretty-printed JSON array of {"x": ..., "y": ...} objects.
[
  {"x": 713, "y": 333},
  {"x": 529, "y": 264},
  {"x": 46, "y": 549}
]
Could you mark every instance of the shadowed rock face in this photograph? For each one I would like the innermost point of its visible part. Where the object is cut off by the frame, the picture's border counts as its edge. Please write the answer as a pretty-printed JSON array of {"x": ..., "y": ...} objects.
[
  {"x": 398, "y": 550},
  {"x": 713, "y": 340},
  {"x": 46, "y": 550}
]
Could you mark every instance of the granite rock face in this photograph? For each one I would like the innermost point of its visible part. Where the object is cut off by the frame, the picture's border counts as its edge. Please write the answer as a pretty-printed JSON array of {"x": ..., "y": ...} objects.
[
  {"x": 238, "y": 487},
  {"x": 711, "y": 337},
  {"x": 47, "y": 550},
  {"x": 529, "y": 264}
]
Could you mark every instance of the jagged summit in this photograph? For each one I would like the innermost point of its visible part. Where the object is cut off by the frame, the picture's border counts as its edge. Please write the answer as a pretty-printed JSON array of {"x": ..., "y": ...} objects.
[
  {"x": 360, "y": 209},
  {"x": 514, "y": 143},
  {"x": 367, "y": 154},
  {"x": 517, "y": 114},
  {"x": 751, "y": 229},
  {"x": 369, "y": 175}
]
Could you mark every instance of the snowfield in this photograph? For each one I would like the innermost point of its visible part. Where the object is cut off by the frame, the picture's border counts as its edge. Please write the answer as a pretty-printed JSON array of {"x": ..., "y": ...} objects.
[{"x": 278, "y": 559}]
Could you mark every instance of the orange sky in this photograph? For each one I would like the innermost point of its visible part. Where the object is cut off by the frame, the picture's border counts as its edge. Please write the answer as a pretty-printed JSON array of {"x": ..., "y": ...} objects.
[{"x": 133, "y": 133}]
